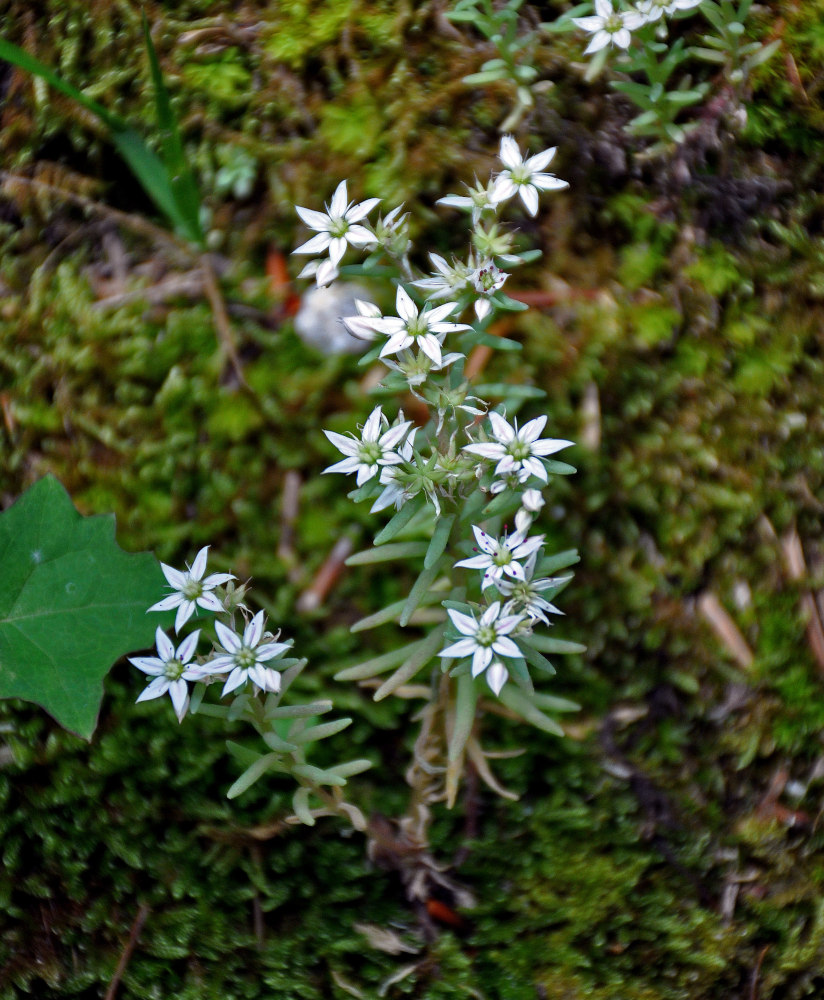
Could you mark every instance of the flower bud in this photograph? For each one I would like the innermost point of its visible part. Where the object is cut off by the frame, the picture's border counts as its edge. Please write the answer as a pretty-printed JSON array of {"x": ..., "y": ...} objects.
[{"x": 532, "y": 501}]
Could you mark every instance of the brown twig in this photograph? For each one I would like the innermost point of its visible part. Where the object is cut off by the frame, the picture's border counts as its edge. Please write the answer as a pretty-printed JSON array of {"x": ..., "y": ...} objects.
[
  {"x": 325, "y": 578},
  {"x": 757, "y": 972},
  {"x": 288, "y": 516},
  {"x": 796, "y": 569},
  {"x": 721, "y": 623},
  {"x": 134, "y": 934},
  {"x": 223, "y": 325}
]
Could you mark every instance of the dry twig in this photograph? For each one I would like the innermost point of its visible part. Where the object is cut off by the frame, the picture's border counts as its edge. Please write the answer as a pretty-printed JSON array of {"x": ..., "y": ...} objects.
[
  {"x": 716, "y": 616},
  {"x": 126, "y": 955}
]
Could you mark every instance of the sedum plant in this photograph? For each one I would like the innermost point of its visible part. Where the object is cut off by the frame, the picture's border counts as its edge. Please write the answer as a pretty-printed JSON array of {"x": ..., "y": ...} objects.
[
  {"x": 457, "y": 495},
  {"x": 633, "y": 38}
]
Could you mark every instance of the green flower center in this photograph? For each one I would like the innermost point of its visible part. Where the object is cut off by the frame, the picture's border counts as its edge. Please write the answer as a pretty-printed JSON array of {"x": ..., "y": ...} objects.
[
  {"x": 520, "y": 174},
  {"x": 173, "y": 669},
  {"x": 503, "y": 557},
  {"x": 192, "y": 589},
  {"x": 486, "y": 279},
  {"x": 338, "y": 228},
  {"x": 417, "y": 327},
  {"x": 245, "y": 658},
  {"x": 369, "y": 452},
  {"x": 519, "y": 450},
  {"x": 486, "y": 635},
  {"x": 613, "y": 23}
]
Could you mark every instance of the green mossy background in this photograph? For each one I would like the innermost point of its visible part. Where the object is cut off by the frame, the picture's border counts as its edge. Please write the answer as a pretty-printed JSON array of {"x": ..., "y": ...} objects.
[{"x": 670, "y": 848}]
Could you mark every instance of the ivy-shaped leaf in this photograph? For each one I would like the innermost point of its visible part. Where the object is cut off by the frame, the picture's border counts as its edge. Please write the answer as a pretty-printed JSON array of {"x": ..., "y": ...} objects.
[{"x": 71, "y": 603}]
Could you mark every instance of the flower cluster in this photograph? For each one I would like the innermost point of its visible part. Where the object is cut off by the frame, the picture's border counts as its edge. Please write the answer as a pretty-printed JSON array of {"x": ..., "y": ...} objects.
[
  {"x": 247, "y": 656},
  {"x": 612, "y": 26},
  {"x": 468, "y": 447}
]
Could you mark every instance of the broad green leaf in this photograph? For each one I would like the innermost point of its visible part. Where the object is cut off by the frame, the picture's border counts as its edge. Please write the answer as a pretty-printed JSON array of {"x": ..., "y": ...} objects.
[{"x": 71, "y": 604}]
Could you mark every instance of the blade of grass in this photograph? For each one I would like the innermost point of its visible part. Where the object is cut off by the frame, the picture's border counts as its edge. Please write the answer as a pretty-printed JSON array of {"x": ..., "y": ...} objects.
[{"x": 183, "y": 184}]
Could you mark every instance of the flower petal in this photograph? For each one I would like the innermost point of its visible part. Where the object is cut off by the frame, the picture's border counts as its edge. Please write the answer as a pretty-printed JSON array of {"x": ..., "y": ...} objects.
[
  {"x": 186, "y": 649},
  {"x": 358, "y": 212},
  {"x": 210, "y": 602},
  {"x": 314, "y": 220},
  {"x": 179, "y": 693},
  {"x": 228, "y": 639},
  {"x": 509, "y": 153},
  {"x": 317, "y": 244},
  {"x": 504, "y": 646},
  {"x": 465, "y": 624},
  {"x": 172, "y": 601},
  {"x": 339, "y": 202},
  {"x": 497, "y": 676},
  {"x": 158, "y": 687},
  {"x": 529, "y": 196},
  {"x": 463, "y": 647},
  {"x": 184, "y": 613},
  {"x": 500, "y": 428},
  {"x": 407, "y": 310}
]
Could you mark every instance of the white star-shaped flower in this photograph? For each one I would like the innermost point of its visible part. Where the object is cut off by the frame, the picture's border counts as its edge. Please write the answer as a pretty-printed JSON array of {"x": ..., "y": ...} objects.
[
  {"x": 335, "y": 229},
  {"x": 501, "y": 556},
  {"x": 486, "y": 280},
  {"x": 424, "y": 329},
  {"x": 518, "y": 451},
  {"x": 484, "y": 637},
  {"x": 478, "y": 201},
  {"x": 652, "y": 10},
  {"x": 524, "y": 177},
  {"x": 526, "y": 593},
  {"x": 375, "y": 448},
  {"x": 192, "y": 590},
  {"x": 450, "y": 279},
  {"x": 169, "y": 670},
  {"x": 609, "y": 26},
  {"x": 245, "y": 657}
]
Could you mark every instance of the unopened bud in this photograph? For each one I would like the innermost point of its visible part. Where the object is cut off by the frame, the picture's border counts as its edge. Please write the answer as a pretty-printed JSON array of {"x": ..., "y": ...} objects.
[{"x": 532, "y": 501}]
